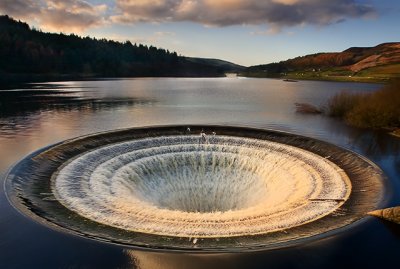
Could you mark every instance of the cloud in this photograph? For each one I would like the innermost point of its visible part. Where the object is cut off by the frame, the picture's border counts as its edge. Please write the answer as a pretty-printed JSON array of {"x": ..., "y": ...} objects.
[
  {"x": 79, "y": 15},
  {"x": 276, "y": 13},
  {"x": 165, "y": 34},
  {"x": 56, "y": 15},
  {"x": 23, "y": 9},
  {"x": 71, "y": 16}
]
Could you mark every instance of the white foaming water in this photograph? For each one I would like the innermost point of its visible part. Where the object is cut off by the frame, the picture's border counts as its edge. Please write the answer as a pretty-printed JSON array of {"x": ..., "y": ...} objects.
[{"x": 176, "y": 186}]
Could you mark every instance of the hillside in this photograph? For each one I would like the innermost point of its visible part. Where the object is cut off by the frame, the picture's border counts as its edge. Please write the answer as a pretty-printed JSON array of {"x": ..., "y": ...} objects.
[
  {"x": 27, "y": 54},
  {"x": 225, "y": 65},
  {"x": 378, "y": 63}
]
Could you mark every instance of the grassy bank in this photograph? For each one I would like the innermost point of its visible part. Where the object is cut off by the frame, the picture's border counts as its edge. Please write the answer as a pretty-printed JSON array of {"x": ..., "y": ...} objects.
[
  {"x": 377, "y": 74},
  {"x": 319, "y": 77},
  {"x": 378, "y": 110},
  {"x": 367, "y": 76}
]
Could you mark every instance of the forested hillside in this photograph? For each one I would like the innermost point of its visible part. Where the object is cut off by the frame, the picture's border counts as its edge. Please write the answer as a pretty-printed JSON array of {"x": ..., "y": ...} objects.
[{"x": 27, "y": 52}]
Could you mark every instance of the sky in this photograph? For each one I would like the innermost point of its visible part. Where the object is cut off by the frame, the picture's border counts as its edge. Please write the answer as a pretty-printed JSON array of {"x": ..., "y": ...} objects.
[{"x": 246, "y": 32}]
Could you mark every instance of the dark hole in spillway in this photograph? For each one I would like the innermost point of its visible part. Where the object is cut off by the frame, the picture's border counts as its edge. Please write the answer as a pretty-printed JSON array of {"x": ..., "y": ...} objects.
[{"x": 223, "y": 188}]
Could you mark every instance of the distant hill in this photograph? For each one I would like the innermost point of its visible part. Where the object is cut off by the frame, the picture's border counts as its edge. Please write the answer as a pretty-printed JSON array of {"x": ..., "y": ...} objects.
[
  {"x": 225, "y": 65},
  {"x": 29, "y": 54},
  {"x": 378, "y": 63}
]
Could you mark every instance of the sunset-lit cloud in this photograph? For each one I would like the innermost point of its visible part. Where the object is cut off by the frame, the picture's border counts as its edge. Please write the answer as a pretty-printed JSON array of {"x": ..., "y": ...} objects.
[
  {"x": 22, "y": 9},
  {"x": 56, "y": 15},
  {"x": 74, "y": 16},
  {"x": 277, "y": 13},
  {"x": 78, "y": 15}
]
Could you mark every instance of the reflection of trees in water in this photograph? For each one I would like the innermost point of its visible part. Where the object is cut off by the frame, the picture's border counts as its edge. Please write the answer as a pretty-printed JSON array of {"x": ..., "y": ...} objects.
[
  {"x": 27, "y": 104},
  {"x": 380, "y": 146},
  {"x": 19, "y": 108},
  {"x": 374, "y": 144},
  {"x": 20, "y": 102},
  {"x": 377, "y": 145}
]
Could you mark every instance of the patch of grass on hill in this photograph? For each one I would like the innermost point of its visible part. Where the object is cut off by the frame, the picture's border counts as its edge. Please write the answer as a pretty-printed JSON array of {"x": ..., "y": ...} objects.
[{"x": 383, "y": 71}]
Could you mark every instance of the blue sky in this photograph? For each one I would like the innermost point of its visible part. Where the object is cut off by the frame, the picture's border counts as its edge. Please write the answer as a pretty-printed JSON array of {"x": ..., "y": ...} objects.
[{"x": 246, "y": 32}]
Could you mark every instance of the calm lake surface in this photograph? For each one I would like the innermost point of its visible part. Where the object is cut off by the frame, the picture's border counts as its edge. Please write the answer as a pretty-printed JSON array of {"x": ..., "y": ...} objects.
[{"x": 37, "y": 115}]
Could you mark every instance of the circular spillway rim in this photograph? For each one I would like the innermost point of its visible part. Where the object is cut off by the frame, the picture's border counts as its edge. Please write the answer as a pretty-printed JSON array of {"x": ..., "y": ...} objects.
[{"x": 15, "y": 201}]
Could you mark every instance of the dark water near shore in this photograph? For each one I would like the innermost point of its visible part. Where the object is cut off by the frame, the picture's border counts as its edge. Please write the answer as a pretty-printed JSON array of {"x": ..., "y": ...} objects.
[{"x": 42, "y": 114}]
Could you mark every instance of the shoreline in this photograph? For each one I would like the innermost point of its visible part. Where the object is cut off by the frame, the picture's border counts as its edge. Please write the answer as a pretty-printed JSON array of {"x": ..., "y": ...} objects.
[
  {"x": 8, "y": 81},
  {"x": 11, "y": 81},
  {"x": 328, "y": 79}
]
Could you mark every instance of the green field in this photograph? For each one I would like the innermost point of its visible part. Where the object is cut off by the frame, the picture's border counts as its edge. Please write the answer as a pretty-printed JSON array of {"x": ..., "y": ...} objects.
[{"x": 378, "y": 74}]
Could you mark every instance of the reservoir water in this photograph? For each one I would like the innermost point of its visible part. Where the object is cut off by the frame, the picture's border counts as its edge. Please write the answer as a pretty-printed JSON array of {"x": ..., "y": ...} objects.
[{"x": 36, "y": 115}]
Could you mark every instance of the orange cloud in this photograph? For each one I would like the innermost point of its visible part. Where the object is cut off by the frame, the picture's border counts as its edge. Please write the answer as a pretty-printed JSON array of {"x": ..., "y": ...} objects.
[
  {"x": 56, "y": 15},
  {"x": 277, "y": 13},
  {"x": 71, "y": 16},
  {"x": 22, "y": 9},
  {"x": 78, "y": 15},
  {"x": 286, "y": 2}
]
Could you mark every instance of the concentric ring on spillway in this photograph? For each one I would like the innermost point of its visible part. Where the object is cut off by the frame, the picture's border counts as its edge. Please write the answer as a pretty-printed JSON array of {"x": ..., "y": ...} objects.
[
  {"x": 158, "y": 187},
  {"x": 177, "y": 187}
]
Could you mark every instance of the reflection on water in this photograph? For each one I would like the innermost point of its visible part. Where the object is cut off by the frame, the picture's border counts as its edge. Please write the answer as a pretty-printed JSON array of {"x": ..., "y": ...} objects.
[
  {"x": 38, "y": 115},
  {"x": 375, "y": 143},
  {"x": 59, "y": 98},
  {"x": 371, "y": 142},
  {"x": 363, "y": 247},
  {"x": 21, "y": 110},
  {"x": 355, "y": 249},
  {"x": 383, "y": 147},
  {"x": 154, "y": 260}
]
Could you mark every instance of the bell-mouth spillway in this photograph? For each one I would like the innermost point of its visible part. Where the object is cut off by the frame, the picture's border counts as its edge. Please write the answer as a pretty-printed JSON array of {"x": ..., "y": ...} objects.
[{"x": 205, "y": 188}]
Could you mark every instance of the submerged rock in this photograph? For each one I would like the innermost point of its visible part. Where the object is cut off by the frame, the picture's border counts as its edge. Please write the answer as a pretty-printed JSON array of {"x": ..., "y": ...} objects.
[
  {"x": 396, "y": 132},
  {"x": 391, "y": 214},
  {"x": 307, "y": 108}
]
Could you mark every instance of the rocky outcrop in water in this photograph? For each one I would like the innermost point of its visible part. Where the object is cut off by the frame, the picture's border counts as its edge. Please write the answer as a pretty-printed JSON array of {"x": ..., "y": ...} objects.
[{"x": 391, "y": 214}]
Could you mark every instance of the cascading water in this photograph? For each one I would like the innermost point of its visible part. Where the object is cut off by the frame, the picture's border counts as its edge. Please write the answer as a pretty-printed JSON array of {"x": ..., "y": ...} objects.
[
  {"x": 234, "y": 188},
  {"x": 173, "y": 186}
]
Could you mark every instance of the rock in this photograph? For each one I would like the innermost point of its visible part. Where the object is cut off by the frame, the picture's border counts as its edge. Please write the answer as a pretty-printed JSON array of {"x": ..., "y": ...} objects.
[
  {"x": 391, "y": 214},
  {"x": 307, "y": 108},
  {"x": 396, "y": 132}
]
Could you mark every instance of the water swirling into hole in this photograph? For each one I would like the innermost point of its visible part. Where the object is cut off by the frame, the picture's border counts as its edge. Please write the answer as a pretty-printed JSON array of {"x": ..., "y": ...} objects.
[
  {"x": 175, "y": 186},
  {"x": 241, "y": 188}
]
